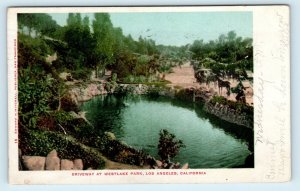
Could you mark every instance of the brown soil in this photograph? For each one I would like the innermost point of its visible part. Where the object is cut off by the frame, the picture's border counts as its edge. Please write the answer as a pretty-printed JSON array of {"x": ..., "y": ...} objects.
[{"x": 183, "y": 76}]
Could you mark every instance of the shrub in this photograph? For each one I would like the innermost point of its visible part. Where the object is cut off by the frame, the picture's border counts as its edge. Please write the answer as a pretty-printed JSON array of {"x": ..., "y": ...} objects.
[
  {"x": 35, "y": 95},
  {"x": 82, "y": 73},
  {"x": 118, "y": 151},
  {"x": 67, "y": 104},
  {"x": 184, "y": 94},
  {"x": 168, "y": 146},
  {"x": 46, "y": 122}
]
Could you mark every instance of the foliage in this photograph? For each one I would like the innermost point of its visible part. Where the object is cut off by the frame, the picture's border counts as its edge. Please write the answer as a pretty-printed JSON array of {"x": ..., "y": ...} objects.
[
  {"x": 34, "y": 96},
  {"x": 39, "y": 88},
  {"x": 81, "y": 73},
  {"x": 118, "y": 151},
  {"x": 67, "y": 104},
  {"x": 227, "y": 49},
  {"x": 63, "y": 117},
  {"x": 112, "y": 84},
  {"x": 169, "y": 145},
  {"x": 31, "y": 51},
  {"x": 184, "y": 94}
]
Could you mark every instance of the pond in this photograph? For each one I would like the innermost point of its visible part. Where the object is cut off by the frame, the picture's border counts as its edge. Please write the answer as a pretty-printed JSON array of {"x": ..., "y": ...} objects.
[{"x": 137, "y": 120}]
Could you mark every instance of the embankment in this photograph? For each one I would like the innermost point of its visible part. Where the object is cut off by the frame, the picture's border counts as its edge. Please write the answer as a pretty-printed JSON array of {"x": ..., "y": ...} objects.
[{"x": 231, "y": 115}]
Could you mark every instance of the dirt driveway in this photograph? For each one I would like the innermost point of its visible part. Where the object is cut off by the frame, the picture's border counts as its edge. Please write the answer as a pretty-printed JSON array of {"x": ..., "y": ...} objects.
[{"x": 183, "y": 76}]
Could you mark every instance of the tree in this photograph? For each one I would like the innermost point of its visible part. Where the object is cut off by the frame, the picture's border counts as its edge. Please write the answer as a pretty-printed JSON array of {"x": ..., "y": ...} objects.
[
  {"x": 168, "y": 146},
  {"x": 103, "y": 37},
  {"x": 27, "y": 20},
  {"x": 80, "y": 42},
  {"x": 119, "y": 44},
  {"x": 42, "y": 23}
]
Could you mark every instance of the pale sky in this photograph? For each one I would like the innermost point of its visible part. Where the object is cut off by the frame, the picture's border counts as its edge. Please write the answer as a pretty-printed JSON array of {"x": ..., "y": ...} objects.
[{"x": 177, "y": 28}]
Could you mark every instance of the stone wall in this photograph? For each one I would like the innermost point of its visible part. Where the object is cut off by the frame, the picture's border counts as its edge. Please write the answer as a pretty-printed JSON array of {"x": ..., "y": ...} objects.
[
  {"x": 81, "y": 93},
  {"x": 228, "y": 114},
  {"x": 51, "y": 162}
]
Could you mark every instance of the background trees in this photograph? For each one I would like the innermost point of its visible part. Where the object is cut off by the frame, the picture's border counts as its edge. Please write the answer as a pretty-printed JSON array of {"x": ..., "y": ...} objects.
[
  {"x": 41, "y": 23},
  {"x": 229, "y": 50},
  {"x": 229, "y": 56}
]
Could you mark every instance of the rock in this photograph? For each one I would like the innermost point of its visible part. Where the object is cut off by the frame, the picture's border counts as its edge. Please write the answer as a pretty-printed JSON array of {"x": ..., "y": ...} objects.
[
  {"x": 165, "y": 165},
  {"x": 124, "y": 143},
  {"x": 52, "y": 161},
  {"x": 78, "y": 164},
  {"x": 74, "y": 114},
  {"x": 51, "y": 58},
  {"x": 158, "y": 163},
  {"x": 66, "y": 164},
  {"x": 185, "y": 166},
  {"x": 65, "y": 76},
  {"x": 34, "y": 162},
  {"x": 110, "y": 136},
  {"x": 53, "y": 153}
]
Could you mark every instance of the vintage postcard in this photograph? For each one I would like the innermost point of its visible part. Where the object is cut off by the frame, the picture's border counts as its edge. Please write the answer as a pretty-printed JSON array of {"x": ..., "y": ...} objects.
[{"x": 109, "y": 95}]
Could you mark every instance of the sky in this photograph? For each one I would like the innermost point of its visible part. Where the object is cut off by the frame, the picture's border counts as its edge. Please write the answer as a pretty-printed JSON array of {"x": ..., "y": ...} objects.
[{"x": 177, "y": 28}]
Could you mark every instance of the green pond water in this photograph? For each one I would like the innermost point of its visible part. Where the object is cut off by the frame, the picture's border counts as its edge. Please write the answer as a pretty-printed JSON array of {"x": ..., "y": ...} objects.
[{"x": 137, "y": 120}]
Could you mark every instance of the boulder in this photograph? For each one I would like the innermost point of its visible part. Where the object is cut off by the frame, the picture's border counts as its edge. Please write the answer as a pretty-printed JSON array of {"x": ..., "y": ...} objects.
[
  {"x": 52, "y": 161},
  {"x": 66, "y": 164},
  {"x": 159, "y": 164},
  {"x": 185, "y": 166},
  {"x": 78, "y": 164},
  {"x": 110, "y": 136},
  {"x": 34, "y": 162},
  {"x": 65, "y": 76},
  {"x": 53, "y": 153}
]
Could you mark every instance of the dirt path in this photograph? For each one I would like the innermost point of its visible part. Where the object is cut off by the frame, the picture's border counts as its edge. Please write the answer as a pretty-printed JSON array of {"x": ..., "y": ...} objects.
[{"x": 184, "y": 77}]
